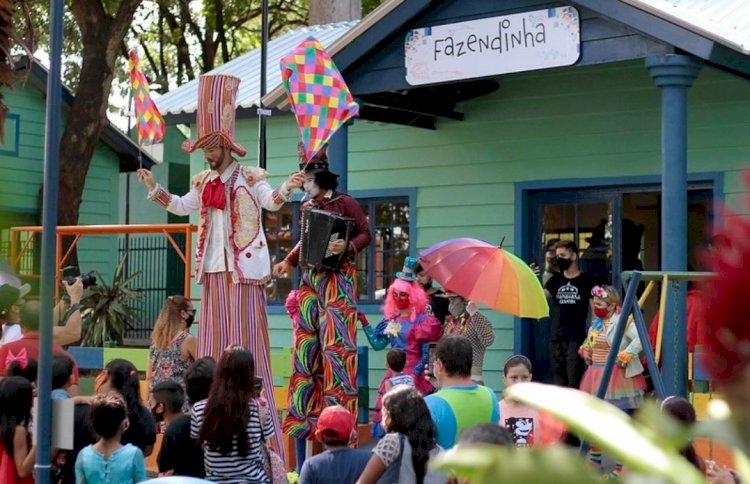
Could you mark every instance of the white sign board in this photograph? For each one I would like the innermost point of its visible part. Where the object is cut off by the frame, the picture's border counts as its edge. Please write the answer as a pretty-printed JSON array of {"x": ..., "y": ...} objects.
[
  {"x": 63, "y": 415},
  {"x": 491, "y": 46}
]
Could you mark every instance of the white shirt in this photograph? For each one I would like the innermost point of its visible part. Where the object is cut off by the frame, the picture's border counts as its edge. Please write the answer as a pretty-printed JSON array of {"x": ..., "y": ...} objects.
[
  {"x": 217, "y": 243},
  {"x": 11, "y": 332}
]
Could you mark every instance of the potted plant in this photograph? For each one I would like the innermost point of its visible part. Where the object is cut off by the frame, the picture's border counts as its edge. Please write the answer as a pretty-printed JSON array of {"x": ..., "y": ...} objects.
[{"x": 106, "y": 308}]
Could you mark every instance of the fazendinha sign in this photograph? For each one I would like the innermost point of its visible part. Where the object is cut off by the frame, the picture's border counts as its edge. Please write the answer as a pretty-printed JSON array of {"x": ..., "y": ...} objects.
[{"x": 491, "y": 46}]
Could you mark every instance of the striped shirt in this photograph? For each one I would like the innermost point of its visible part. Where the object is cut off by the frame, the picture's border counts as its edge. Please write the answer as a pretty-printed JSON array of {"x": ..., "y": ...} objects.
[{"x": 233, "y": 468}]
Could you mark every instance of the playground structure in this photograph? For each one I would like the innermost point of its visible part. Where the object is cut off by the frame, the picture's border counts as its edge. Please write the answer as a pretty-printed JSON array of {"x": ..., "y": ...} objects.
[{"x": 700, "y": 392}]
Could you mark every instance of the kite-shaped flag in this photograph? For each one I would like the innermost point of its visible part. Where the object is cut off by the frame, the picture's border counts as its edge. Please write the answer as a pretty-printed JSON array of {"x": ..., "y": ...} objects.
[
  {"x": 149, "y": 123},
  {"x": 320, "y": 99}
]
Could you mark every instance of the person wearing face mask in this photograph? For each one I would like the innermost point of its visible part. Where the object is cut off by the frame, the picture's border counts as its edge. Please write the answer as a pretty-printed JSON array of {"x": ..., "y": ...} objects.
[
  {"x": 325, "y": 311},
  {"x": 570, "y": 291},
  {"x": 408, "y": 326},
  {"x": 172, "y": 348},
  {"x": 438, "y": 303},
  {"x": 467, "y": 321},
  {"x": 627, "y": 384}
]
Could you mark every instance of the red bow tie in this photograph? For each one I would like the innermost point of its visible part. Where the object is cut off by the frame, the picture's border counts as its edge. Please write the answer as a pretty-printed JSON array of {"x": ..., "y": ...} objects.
[{"x": 214, "y": 194}]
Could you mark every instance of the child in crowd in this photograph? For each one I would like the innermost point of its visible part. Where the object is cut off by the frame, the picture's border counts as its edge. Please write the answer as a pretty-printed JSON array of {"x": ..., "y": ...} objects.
[
  {"x": 62, "y": 376},
  {"x": 23, "y": 366},
  {"x": 684, "y": 412},
  {"x": 410, "y": 441},
  {"x": 122, "y": 377},
  {"x": 396, "y": 360},
  {"x": 485, "y": 434},
  {"x": 17, "y": 455},
  {"x": 339, "y": 464},
  {"x": 180, "y": 454},
  {"x": 168, "y": 398},
  {"x": 527, "y": 426},
  {"x": 109, "y": 460},
  {"x": 627, "y": 384}
]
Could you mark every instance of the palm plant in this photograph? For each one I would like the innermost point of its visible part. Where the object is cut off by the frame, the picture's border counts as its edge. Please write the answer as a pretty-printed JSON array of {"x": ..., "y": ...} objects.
[{"x": 107, "y": 308}]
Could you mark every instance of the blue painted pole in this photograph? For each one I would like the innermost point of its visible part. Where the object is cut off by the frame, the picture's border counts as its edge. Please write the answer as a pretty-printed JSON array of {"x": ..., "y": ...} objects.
[
  {"x": 674, "y": 74},
  {"x": 338, "y": 156},
  {"x": 49, "y": 240}
]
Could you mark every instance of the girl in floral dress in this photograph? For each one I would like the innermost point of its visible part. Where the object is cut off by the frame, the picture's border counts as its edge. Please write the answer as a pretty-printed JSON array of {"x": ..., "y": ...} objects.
[
  {"x": 407, "y": 326},
  {"x": 172, "y": 348}
]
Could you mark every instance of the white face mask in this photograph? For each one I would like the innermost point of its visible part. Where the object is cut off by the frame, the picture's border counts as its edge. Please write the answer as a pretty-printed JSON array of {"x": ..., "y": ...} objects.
[
  {"x": 311, "y": 188},
  {"x": 456, "y": 307}
]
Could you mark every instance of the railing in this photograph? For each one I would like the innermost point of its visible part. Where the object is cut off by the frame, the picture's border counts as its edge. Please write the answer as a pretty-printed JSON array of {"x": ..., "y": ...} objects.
[{"x": 147, "y": 252}]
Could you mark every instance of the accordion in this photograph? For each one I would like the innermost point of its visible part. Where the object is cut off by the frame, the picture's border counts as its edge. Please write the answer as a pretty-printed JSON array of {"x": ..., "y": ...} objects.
[{"x": 320, "y": 228}]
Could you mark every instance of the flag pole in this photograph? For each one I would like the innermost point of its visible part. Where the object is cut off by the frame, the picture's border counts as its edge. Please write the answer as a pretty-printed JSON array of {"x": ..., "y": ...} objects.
[
  {"x": 262, "y": 112},
  {"x": 51, "y": 185}
]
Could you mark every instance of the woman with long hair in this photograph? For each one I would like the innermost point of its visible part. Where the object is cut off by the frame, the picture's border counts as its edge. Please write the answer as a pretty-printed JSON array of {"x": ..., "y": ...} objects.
[
  {"x": 121, "y": 376},
  {"x": 406, "y": 325},
  {"x": 172, "y": 349},
  {"x": 402, "y": 454},
  {"x": 229, "y": 425},
  {"x": 17, "y": 455}
]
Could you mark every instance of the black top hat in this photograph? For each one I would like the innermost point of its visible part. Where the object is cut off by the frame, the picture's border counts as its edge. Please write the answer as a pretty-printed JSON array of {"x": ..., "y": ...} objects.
[{"x": 318, "y": 162}]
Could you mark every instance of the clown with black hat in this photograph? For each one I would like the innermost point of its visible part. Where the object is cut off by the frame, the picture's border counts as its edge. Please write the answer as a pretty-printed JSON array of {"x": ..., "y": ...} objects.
[{"x": 326, "y": 319}]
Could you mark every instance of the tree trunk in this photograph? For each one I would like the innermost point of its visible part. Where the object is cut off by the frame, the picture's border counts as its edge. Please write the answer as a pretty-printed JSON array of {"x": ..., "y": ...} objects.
[
  {"x": 329, "y": 11},
  {"x": 101, "y": 36}
]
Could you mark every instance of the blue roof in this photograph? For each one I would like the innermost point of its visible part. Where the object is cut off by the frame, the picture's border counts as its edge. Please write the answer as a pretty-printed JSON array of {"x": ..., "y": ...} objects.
[{"x": 247, "y": 67}]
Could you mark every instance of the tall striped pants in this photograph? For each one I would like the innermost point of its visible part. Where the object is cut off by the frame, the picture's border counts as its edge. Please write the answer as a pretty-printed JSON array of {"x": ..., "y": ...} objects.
[
  {"x": 235, "y": 314},
  {"x": 325, "y": 349}
]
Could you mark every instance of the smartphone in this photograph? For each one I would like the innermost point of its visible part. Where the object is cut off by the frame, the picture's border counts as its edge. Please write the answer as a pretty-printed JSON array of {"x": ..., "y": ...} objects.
[{"x": 431, "y": 359}]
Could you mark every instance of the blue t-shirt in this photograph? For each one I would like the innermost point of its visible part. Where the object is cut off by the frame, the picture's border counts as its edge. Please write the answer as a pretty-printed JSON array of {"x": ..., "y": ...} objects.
[
  {"x": 126, "y": 465},
  {"x": 340, "y": 466},
  {"x": 455, "y": 408},
  {"x": 59, "y": 394}
]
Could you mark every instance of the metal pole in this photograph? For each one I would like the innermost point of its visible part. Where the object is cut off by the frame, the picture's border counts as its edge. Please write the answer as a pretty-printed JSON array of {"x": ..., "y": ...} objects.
[
  {"x": 49, "y": 228},
  {"x": 262, "y": 112},
  {"x": 674, "y": 74}
]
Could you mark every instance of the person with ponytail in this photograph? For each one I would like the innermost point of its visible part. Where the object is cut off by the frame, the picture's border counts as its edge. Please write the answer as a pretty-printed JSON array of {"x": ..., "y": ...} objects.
[
  {"x": 403, "y": 453},
  {"x": 121, "y": 376},
  {"x": 172, "y": 349}
]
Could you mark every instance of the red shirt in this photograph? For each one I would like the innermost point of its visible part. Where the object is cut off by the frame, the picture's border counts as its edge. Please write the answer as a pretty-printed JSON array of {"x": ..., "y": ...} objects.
[
  {"x": 696, "y": 321},
  {"x": 29, "y": 344},
  {"x": 345, "y": 205}
]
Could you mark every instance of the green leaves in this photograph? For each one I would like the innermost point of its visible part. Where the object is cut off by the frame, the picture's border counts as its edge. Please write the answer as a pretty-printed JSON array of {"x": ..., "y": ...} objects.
[
  {"x": 106, "y": 308},
  {"x": 490, "y": 465}
]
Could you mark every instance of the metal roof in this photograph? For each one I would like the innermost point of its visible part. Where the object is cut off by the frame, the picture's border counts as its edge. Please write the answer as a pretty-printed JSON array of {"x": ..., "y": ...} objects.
[
  {"x": 247, "y": 67},
  {"x": 724, "y": 21}
]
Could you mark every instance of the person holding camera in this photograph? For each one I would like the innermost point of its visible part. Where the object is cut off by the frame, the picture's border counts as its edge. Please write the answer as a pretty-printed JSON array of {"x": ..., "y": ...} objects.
[{"x": 13, "y": 298}]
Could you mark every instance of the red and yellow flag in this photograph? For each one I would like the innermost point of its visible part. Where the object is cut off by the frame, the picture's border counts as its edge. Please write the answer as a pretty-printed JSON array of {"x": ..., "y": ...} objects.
[{"x": 149, "y": 123}]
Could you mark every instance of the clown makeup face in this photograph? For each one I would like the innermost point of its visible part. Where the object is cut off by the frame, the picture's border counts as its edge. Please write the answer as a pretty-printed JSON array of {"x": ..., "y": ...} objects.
[
  {"x": 310, "y": 187},
  {"x": 217, "y": 157}
]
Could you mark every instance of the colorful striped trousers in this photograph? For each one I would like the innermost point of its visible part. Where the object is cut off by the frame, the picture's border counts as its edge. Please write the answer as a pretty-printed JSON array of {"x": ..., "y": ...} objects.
[
  {"x": 325, "y": 349},
  {"x": 235, "y": 314}
]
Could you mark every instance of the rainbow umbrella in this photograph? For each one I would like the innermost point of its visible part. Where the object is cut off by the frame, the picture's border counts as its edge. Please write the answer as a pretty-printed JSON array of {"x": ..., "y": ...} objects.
[{"x": 486, "y": 274}]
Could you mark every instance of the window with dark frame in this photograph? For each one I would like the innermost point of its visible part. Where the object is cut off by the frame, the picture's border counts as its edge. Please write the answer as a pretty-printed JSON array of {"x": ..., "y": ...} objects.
[{"x": 388, "y": 218}]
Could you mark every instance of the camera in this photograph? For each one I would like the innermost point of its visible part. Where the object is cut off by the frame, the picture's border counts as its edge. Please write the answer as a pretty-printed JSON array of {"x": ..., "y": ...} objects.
[{"x": 88, "y": 279}]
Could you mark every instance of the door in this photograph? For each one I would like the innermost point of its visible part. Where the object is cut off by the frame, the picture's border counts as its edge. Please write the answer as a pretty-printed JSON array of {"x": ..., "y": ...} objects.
[
  {"x": 616, "y": 230},
  {"x": 590, "y": 219}
]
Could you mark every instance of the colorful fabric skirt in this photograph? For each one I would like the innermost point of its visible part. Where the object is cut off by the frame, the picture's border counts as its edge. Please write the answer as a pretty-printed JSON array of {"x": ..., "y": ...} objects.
[{"x": 623, "y": 392}]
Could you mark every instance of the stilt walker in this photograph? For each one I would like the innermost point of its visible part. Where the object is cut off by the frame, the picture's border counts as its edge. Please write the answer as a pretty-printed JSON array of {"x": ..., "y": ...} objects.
[
  {"x": 231, "y": 260},
  {"x": 324, "y": 309}
]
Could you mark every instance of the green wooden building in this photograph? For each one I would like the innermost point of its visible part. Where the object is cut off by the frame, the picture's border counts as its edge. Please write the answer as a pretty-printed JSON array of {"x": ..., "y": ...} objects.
[{"x": 591, "y": 150}]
